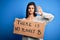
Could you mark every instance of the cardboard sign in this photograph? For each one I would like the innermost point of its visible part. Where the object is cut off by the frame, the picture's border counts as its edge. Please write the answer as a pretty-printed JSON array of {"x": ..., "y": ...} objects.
[{"x": 29, "y": 28}]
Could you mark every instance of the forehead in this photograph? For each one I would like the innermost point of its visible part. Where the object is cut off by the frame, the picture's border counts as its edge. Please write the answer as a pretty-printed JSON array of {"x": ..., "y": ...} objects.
[{"x": 31, "y": 5}]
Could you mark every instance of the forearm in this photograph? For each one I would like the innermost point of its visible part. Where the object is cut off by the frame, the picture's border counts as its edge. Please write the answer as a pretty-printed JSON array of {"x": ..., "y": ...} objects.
[{"x": 47, "y": 17}]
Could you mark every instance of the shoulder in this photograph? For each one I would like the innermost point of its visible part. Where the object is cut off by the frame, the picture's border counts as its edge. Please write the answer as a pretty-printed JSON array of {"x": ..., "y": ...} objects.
[
  {"x": 24, "y": 18},
  {"x": 20, "y": 19}
]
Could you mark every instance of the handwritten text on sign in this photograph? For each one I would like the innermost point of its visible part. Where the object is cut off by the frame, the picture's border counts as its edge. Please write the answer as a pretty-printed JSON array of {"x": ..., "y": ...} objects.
[{"x": 29, "y": 28}]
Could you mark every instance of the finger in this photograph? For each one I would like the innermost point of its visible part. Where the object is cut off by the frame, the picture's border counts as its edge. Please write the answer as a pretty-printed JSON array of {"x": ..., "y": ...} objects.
[
  {"x": 39, "y": 7},
  {"x": 36, "y": 12}
]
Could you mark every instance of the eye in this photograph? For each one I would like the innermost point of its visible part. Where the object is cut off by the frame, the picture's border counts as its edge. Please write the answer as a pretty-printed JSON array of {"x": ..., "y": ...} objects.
[{"x": 32, "y": 8}]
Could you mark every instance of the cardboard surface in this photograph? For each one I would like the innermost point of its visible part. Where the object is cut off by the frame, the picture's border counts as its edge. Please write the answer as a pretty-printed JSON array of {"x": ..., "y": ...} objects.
[{"x": 29, "y": 28}]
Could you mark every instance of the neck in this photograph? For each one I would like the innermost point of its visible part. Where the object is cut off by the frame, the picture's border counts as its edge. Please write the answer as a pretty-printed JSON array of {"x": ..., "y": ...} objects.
[{"x": 30, "y": 17}]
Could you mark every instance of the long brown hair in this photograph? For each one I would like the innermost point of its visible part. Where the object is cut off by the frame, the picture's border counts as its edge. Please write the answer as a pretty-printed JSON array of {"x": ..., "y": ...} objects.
[{"x": 31, "y": 3}]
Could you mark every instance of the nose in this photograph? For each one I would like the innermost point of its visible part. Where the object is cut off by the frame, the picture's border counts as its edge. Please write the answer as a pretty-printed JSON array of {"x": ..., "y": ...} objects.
[{"x": 31, "y": 9}]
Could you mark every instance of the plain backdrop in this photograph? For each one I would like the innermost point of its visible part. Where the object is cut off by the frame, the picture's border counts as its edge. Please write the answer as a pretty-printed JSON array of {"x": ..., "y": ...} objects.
[{"x": 11, "y": 9}]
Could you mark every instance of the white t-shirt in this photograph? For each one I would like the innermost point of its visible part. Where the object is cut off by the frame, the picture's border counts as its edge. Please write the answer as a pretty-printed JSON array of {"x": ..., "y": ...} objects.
[{"x": 47, "y": 17}]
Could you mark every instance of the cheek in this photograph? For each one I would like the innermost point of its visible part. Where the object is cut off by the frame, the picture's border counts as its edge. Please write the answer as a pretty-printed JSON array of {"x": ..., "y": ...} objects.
[
  {"x": 33, "y": 10},
  {"x": 28, "y": 10}
]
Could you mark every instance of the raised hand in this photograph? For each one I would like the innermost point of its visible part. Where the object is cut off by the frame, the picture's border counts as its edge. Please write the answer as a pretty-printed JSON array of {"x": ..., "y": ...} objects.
[{"x": 39, "y": 10}]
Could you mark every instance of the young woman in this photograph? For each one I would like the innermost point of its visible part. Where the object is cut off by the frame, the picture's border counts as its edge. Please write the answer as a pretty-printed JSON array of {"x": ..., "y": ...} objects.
[{"x": 31, "y": 15}]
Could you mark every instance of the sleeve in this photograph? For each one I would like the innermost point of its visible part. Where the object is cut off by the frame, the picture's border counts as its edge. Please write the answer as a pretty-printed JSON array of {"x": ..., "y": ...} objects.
[{"x": 48, "y": 16}]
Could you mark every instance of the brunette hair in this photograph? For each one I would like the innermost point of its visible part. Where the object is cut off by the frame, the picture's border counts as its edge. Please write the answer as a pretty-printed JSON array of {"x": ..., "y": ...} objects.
[{"x": 31, "y": 3}]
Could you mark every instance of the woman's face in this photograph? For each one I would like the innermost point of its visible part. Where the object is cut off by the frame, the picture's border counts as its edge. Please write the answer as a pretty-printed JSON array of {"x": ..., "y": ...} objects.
[{"x": 31, "y": 9}]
